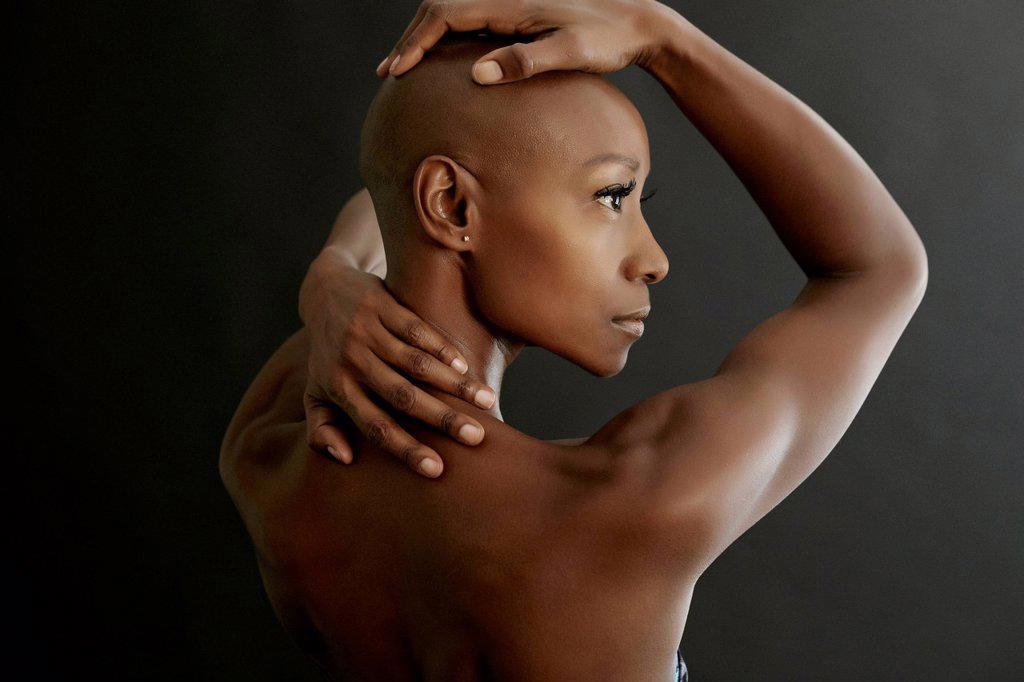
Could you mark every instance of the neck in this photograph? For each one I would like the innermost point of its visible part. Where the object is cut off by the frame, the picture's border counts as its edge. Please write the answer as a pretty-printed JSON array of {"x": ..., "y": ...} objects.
[{"x": 434, "y": 287}]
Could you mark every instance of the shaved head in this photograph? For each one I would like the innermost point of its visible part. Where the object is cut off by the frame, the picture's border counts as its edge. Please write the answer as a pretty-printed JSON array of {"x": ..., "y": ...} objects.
[
  {"x": 510, "y": 213},
  {"x": 437, "y": 108},
  {"x": 493, "y": 131}
]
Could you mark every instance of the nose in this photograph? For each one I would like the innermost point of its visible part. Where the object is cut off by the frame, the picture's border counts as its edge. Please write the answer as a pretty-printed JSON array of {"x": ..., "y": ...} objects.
[{"x": 648, "y": 262}]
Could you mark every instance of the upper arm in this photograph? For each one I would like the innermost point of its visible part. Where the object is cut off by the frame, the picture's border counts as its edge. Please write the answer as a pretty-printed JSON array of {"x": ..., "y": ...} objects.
[{"x": 728, "y": 449}]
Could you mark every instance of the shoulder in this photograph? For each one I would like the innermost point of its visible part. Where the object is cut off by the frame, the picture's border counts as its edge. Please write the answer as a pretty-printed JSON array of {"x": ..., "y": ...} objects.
[
  {"x": 268, "y": 426},
  {"x": 724, "y": 451}
]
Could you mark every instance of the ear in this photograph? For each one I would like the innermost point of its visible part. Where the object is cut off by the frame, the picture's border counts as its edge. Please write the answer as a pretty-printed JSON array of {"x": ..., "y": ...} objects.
[{"x": 445, "y": 197}]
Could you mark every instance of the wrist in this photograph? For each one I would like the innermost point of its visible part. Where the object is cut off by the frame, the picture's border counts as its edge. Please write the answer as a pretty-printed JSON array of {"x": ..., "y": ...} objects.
[
  {"x": 328, "y": 266},
  {"x": 673, "y": 39}
]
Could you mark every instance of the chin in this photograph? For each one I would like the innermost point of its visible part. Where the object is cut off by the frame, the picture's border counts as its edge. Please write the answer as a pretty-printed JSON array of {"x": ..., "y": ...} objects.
[
  {"x": 608, "y": 366},
  {"x": 603, "y": 359}
]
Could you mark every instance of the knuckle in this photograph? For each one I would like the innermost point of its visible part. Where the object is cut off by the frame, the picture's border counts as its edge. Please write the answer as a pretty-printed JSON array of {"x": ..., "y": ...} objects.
[
  {"x": 415, "y": 331},
  {"x": 357, "y": 328},
  {"x": 403, "y": 396},
  {"x": 315, "y": 437},
  {"x": 446, "y": 353},
  {"x": 437, "y": 8},
  {"x": 378, "y": 432},
  {"x": 406, "y": 454},
  {"x": 418, "y": 363},
  {"x": 448, "y": 418},
  {"x": 521, "y": 58},
  {"x": 338, "y": 392},
  {"x": 578, "y": 47},
  {"x": 352, "y": 336},
  {"x": 587, "y": 54},
  {"x": 465, "y": 389},
  {"x": 346, "y": 354},
  {"x": 360, "y": 310},
  {"x": 364, "y": 314},
  {"x": 367, "y": 302}
]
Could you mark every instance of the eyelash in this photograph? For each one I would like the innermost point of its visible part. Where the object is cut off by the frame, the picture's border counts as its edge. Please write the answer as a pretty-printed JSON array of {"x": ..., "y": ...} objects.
[{"x": 619, "y": 192}]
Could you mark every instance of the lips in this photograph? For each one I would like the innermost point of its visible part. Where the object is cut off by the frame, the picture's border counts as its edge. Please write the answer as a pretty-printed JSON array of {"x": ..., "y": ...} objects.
[
  {"x": 632, "y": 323},
  {"x": 638, "y": 314},
  {"x": 633, "y": 326}
]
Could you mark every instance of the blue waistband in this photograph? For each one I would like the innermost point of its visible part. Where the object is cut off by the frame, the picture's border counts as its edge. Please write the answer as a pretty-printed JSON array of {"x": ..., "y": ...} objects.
[{"x": 682, "y": 674}]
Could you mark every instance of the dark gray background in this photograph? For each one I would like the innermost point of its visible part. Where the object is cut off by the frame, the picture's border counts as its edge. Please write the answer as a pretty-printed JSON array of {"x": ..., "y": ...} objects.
[{"x": 176, "y": 168}]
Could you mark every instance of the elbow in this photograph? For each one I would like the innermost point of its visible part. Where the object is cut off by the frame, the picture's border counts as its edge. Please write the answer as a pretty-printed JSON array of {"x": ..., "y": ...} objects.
[
  {"x": 916, "y": 259},
  {"x": 916, "y": 266},
  {"x": 908, "y": 264}
]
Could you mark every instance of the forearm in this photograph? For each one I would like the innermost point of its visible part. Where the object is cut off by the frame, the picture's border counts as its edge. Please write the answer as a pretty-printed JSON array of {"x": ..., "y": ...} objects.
[
  {"x": 355, "y": 235},
  {"x": 354, "y": 242},
  {"x": 828, "y": 208}
]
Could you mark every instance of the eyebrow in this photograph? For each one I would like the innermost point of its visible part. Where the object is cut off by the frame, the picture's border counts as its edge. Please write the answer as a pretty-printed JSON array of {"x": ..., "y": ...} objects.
[{"x": 633, "y": 164}]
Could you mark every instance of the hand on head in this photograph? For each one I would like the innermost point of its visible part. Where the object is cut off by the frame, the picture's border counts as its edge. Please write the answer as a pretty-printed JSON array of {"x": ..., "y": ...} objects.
[{"x": 599, "y": 36}]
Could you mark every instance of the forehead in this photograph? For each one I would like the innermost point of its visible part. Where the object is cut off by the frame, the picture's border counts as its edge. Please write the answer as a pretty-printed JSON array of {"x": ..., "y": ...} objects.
[{"x": 590, "y": 125}]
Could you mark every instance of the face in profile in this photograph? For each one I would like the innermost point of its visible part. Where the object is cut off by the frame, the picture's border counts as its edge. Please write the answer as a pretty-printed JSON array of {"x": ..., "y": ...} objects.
[
  {"x": 546, "y": 174},
  {"x": 564, "y": 248}
]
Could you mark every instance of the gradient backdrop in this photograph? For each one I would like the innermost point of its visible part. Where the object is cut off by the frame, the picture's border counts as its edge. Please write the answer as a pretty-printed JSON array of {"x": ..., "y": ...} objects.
[{"x": 177, "y": 166}]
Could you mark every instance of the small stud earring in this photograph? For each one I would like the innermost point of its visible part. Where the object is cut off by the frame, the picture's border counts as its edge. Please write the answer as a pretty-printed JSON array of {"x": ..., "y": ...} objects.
[{"x": 465, "y": 237}]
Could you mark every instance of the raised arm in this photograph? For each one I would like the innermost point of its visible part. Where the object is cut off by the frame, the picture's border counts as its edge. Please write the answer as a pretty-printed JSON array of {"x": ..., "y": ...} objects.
[{"x": 726, "y": 450}]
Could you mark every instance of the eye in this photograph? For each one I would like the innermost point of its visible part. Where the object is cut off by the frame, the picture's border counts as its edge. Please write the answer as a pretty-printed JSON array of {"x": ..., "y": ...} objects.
[{"x": 616, "y": 193}]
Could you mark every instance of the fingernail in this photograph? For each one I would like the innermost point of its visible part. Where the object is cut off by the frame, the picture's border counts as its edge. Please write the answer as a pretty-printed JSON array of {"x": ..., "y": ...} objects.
[
  {"x": 471, "y": 433},
  {"x": 382, "y": 63},
  {"x": 484, "y": 398},
  {"x": 334, "y": 453},
  {"x": 391, "y": 69},
  {"x": 487, "y": 72},
  {"x": 429, "y": 467},
  {"x": 460, "y": 365}
]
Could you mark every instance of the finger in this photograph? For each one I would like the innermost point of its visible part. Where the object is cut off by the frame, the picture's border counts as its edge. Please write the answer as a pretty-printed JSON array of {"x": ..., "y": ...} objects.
[
  {"x": 561, "y": 50},
  {"x": 423, "y": 367},
  {"x": 410, "y": 327},
  {"x": 382, "y": 69},
  {"x": 321, "y": 433},
  {"x": 438, "y": 18},
  {"x": 427, "y": 32},
  {"x": 383, "y": 432},
  {"x": 412, "y": 400}
]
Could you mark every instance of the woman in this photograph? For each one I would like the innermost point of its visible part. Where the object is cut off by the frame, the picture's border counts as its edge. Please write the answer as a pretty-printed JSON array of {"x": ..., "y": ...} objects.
[{"x": 528, "y": 559}]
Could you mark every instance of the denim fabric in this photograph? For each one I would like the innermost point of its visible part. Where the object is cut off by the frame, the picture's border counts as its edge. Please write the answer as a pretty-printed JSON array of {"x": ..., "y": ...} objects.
[{"x": 682, "y": 674}]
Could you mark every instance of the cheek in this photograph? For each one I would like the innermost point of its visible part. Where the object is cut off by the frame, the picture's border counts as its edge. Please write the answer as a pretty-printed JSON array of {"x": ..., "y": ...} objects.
[{"x": 551, "y": 286}]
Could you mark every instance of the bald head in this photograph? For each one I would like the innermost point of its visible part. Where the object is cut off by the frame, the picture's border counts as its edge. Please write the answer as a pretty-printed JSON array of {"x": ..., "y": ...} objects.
[
  {"x": 510, "y": 213},
  {"x": 493, "y": 131}
]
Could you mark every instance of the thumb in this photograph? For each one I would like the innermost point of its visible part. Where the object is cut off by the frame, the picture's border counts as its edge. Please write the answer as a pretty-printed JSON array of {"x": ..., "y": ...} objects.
[
  {"x": 552, "y": 51},
  {"x": 321, "y": 431}
]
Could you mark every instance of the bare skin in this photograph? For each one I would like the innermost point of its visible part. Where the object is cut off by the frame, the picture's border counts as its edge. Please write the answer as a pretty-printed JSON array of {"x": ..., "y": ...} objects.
[{"x": 533, "y": 560}]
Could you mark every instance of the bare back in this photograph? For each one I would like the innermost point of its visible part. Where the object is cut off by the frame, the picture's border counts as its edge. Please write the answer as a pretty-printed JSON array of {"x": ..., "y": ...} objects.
[
  {"x": 531, "y": 560},
  {"x": 527, "y": 560}
]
